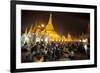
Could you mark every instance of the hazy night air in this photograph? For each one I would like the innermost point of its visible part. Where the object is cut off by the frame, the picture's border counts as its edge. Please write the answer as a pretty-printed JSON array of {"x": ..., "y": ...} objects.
[{"x": 63, "y": 22}]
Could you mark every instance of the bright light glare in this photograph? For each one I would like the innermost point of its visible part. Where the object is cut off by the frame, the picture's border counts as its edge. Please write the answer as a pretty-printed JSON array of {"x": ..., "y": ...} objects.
[
  {"x": 37, "y": 39},
  {"x": 42, "y": 25},
  {"x": 46, "y": 39},
  {"x": 84, "y": 40}
]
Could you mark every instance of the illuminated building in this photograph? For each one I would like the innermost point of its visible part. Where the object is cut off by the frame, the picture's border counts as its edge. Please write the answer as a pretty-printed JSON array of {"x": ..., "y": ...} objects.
[
  {"x": 46, "y": 33},
  {"x": 50, "y": 32}
]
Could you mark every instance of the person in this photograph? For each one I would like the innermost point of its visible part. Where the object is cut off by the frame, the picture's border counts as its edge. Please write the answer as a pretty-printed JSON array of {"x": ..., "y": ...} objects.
[
  {"x": 57, "y": 52},
  {"x": 66, "y": 52},
  {"x": 38, "y": 58},
  {"x": 45, "y": 54},
  {"x": 25, "y": 54},
  {"x": 88, "y": 51}
]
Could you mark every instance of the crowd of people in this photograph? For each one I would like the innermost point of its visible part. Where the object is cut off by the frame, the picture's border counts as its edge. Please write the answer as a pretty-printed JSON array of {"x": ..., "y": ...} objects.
[{"x": 54, "y": 51}]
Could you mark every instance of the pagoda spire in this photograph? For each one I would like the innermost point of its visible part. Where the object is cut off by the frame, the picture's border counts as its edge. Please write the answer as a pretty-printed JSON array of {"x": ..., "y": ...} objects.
[
  {"x": 49, "y": 26},
  {"x": 30, "y": 30},
  {"x": 50, "y": 19},
  {"x": 26, "y": 31}
]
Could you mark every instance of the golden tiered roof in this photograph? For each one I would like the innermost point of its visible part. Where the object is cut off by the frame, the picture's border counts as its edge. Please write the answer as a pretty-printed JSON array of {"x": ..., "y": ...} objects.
[{"x": 49, "y": 30}]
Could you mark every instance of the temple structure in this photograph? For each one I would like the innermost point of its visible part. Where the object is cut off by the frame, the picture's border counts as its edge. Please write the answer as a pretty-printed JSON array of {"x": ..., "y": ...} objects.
[
  {"x": 50, "y": 32},
  {"x": 45, "y": 33}
]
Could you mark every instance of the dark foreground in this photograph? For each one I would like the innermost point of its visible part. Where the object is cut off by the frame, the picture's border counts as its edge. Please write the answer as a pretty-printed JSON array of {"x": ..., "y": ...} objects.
[{"x": 54, "y": 51}]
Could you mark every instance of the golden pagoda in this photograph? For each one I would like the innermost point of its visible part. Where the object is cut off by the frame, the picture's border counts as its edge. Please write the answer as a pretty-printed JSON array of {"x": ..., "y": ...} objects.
[
  {"x": 69, "y": 38},
  {"x": 49, "y": 31}
]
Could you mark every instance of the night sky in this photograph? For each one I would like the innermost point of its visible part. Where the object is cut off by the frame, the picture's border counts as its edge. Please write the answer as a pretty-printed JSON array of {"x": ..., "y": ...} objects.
[{"x": 63, "y": 22}]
